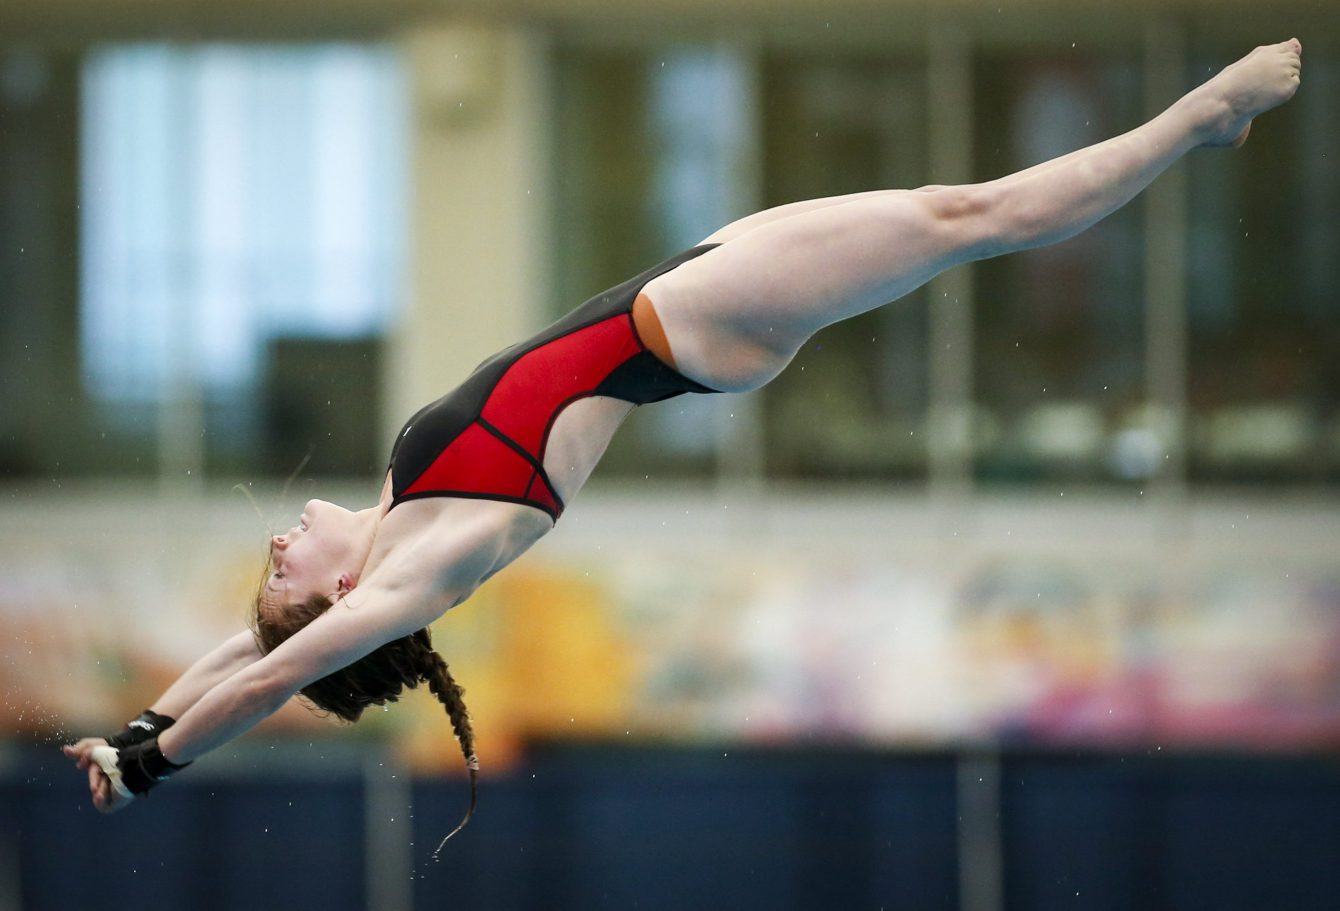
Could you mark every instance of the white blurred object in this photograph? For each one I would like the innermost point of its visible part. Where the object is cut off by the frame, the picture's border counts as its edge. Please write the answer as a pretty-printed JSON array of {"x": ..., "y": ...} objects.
[{"x": 1139, "y": 448}]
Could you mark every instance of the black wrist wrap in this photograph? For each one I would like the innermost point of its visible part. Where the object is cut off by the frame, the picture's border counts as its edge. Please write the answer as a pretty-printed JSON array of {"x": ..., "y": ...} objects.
[
  {"x": 143, "y": 766},
  {"x": 148, "y": 724}
]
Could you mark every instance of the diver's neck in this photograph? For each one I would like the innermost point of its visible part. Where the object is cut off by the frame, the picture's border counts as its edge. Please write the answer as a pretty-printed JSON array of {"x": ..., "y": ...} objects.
[{"x": 366, "y": 523}]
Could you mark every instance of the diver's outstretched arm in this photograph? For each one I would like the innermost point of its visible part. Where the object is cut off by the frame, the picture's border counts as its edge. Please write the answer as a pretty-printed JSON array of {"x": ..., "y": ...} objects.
[
  {"x": 220, "y": 663},
  {"x": 356, "y": 625}
]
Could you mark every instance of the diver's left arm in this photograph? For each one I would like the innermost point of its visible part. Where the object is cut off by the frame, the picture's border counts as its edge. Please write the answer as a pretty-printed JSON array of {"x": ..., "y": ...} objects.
[
  {"x": 400, "y": 598},
  {"x": 222, "y": 662},
  {"x": 351, "y": 629},
  {"x": 359, "y": 623},
  {"x": 227, "y": 659}
]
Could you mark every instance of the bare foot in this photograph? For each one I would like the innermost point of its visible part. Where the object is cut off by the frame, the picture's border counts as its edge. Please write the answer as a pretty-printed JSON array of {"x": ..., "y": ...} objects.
[{"x": 1264, "y": 79}]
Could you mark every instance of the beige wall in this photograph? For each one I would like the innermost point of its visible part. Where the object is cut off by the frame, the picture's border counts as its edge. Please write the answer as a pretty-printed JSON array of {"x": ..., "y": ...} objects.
[{"x": 478, "y": 210}]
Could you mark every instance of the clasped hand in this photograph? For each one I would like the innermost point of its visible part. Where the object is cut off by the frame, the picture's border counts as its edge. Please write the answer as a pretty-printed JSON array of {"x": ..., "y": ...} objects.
[{"x": 105, "y": 797}]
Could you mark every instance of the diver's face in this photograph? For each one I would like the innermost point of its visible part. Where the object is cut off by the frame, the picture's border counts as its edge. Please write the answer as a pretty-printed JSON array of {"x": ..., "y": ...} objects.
[{"x": 309, "y": 558}]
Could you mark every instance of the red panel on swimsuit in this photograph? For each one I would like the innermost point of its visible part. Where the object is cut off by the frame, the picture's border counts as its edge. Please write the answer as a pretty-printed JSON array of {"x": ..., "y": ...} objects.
[
  {"x": 535, "y": 389},
  {"x": 486, "y": 460},
  {"x": 476, "y": 461}
]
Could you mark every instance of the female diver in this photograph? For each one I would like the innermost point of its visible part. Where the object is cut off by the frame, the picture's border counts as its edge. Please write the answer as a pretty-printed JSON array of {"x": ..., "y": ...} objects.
[{"x": 480, "y": 475}]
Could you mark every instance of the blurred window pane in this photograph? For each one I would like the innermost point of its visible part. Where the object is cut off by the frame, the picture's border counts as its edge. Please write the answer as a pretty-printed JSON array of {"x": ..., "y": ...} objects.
[
  {"x": 234, "y": 197},
  {"x": 42, "y": 400},
  {"x": 1264, "y": 383},
  {"x": 1059, "y": 372}
]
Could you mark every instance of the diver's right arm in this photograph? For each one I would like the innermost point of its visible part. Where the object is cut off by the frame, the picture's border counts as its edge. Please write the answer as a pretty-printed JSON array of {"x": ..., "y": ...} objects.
[
  {"x": 238, "y": 702},
  {"x": 435, "y": 572},
  {"x": 360, "y": 622},
  {"x": 233, "y": 655}
]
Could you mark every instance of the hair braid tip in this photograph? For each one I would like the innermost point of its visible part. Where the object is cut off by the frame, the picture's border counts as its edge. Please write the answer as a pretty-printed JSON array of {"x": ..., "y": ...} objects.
[{"x": 468, "y": 814}]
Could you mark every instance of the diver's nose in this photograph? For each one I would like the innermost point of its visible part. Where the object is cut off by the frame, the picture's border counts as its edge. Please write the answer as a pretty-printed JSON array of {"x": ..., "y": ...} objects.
[{"x": 280, "y": 541}]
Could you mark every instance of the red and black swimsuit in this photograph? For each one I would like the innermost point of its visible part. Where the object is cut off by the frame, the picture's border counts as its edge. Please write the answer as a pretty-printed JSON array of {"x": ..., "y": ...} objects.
[{"x": 486, "y": 439}]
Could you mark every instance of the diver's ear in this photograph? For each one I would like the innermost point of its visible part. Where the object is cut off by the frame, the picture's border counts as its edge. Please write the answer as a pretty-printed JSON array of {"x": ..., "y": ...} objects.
[{"x": 344, "y": 586}]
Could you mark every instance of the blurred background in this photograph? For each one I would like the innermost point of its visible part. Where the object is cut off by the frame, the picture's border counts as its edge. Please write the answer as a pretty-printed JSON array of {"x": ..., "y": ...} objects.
[{"x": 1023, "y": 593}]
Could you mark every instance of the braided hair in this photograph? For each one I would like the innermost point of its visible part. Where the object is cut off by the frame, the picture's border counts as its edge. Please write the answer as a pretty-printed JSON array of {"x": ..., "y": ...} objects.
[{"x": 375, "y": 679}]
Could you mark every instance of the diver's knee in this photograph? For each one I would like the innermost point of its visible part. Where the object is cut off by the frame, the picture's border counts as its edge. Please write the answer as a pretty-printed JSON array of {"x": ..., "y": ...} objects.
[{"x": 967, "y": 219}]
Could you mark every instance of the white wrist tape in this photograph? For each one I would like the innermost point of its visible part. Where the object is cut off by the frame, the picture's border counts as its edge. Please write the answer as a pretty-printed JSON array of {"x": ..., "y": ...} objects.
[{"x": 106, "y": 757}]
